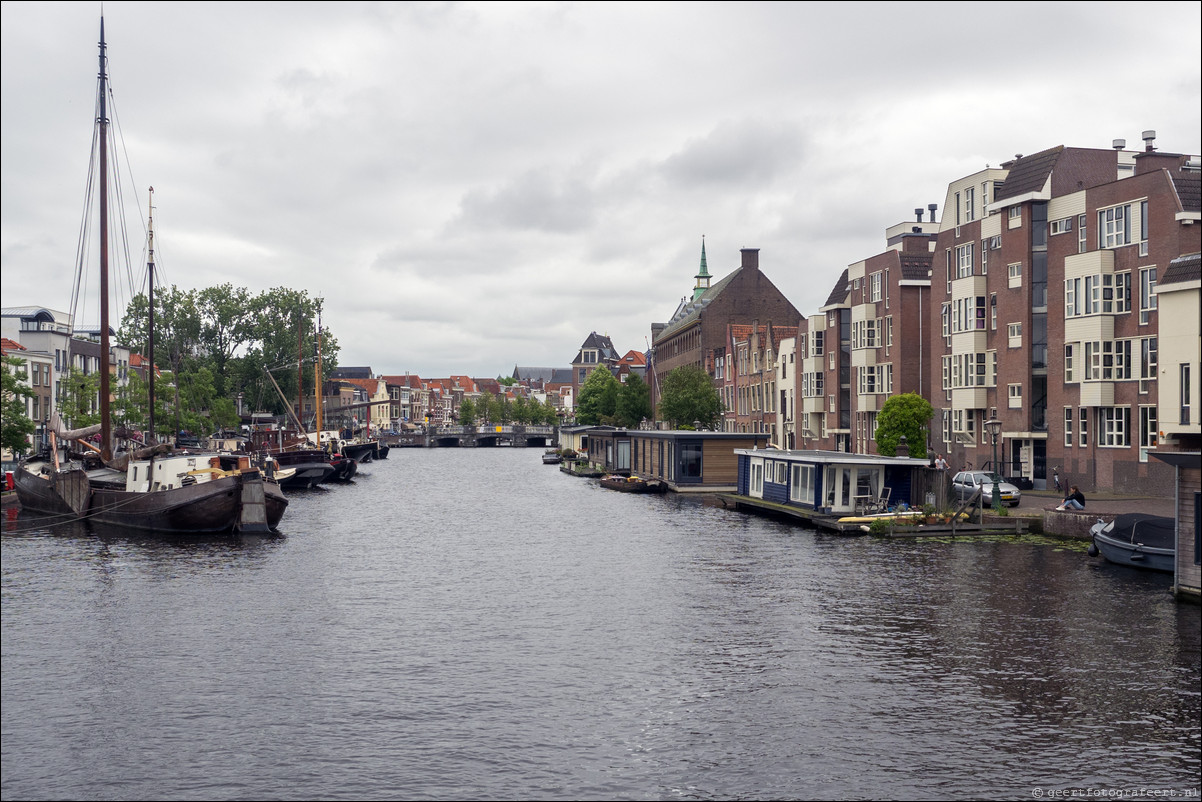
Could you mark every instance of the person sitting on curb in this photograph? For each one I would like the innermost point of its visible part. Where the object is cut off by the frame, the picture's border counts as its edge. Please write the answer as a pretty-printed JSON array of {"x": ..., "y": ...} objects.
[{"x": 1073, "y": 501}]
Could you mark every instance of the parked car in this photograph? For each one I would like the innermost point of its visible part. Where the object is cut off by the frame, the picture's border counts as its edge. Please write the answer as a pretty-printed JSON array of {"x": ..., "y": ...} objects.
[{"x": 965, "y": 483}]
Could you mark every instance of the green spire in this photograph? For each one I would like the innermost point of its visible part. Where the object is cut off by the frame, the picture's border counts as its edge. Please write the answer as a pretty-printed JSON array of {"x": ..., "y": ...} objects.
[{"x": 703, "y": 275}]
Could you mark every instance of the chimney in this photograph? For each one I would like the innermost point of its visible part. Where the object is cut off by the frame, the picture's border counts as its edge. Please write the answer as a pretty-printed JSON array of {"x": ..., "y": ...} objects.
[
  {"x": 1119, "y": 144},
  {"x": 1149, "y": 137},
  {"x": 918, "y": 212},
  {"x": 751, "y": 258},
  {"x": 932, "y": 207}
]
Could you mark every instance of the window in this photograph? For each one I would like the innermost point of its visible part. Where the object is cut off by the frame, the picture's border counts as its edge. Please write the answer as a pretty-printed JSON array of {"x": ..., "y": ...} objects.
[
  {"x": 816, "y": 339},
  {"x": 1063, "y": 226},
  {"x": 801, "y": 484},
  {"x": 1147, "y": 358},
  {"x": 1083, "y": 440},
  {"x": 690, "y": 461},
  {"x": 964, "y": 259},
  {"x": 1016, "y": 216},
  {"x": 876, "y": 293},
  {"x": 1070, "y": 351},
  {"x": 1016, "y": 395},
  {"x": 1014, "y": 332},
  {"x": 1147, "y": 294},
  {"x": 1082, "y": 242},
  {"x": 1147, "y": 427},
  {"x": 1113, "y": 423},
  {"x": 1143, "y": 228},
  {"x": 969, "y": 205},
  {"x": 1068, "y": 427},
  {"x": 993, "y": 312},
  {"x": 1114, "y": 227},
  {"x": 1015, "y": 274},
  {"x": 1185, "y": 393}
]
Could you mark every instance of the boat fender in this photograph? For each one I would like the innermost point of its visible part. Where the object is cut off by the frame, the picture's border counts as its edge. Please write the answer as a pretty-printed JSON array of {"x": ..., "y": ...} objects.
[{"x": 1092, "y": 551}]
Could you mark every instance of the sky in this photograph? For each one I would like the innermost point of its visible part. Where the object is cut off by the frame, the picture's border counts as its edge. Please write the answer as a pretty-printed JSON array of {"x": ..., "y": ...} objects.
[{"x": 472, "y": 187}]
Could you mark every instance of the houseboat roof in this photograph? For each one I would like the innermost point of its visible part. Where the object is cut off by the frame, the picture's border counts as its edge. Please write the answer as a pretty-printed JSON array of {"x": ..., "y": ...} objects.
[{"x": 832, "y": 457}]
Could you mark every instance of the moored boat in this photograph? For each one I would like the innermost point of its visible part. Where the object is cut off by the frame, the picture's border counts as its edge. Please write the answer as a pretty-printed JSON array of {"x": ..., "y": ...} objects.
[
  {"x": 632, "y": 484},
  {"x": 149, "y": 488},
  {"x": 1137, "y": 540}
]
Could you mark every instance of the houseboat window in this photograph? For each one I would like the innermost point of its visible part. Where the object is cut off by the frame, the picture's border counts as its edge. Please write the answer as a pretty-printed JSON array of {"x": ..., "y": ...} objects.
[
  {"x": 801, "y": 487},
  {"x": 690, "y": 461},
  {"x": 757, "y": 478}
]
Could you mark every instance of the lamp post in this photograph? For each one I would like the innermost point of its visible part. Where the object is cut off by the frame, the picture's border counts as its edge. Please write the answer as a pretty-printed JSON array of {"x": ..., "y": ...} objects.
[{"x": 993, "y": 427}]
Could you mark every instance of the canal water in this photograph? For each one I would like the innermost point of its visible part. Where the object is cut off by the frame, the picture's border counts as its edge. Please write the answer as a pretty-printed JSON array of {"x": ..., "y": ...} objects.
[{"x": 463, "y": 624}]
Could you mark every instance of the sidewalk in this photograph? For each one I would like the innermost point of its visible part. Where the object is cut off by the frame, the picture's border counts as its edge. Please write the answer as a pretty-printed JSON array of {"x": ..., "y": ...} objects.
[{"x": 1100, "y": 503}]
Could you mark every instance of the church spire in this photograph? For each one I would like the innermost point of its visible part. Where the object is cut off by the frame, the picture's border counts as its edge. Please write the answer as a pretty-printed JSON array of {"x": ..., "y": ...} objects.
[{"x": 703, "y": 275}]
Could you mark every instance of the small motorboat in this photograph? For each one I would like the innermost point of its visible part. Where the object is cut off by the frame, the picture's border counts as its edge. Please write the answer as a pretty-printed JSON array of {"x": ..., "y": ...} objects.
[
  {"x": 552, "y": 457},
  {"x": 1138, "y": 540},
  {"x": 633, "y": 484}
]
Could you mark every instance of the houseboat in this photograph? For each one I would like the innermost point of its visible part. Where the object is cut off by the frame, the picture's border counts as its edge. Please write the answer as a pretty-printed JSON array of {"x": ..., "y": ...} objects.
[{"x": 824, "y": 486}]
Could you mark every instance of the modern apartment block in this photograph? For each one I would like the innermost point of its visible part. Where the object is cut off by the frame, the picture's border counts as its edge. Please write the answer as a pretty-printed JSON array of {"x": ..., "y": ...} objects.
[{"x": 1045, "y": 308}]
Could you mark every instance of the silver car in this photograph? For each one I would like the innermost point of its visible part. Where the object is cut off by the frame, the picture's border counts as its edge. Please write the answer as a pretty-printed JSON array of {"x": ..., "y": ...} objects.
[{"x": 965, "y": 483}]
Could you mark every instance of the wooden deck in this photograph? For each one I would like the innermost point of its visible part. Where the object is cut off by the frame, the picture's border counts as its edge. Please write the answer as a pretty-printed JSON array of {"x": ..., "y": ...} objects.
[{"x": 1000, "y": 525}]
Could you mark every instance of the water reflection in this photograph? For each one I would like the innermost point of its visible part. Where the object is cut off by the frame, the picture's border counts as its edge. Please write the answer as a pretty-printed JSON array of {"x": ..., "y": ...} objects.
[{"x": 467, "y": 625}]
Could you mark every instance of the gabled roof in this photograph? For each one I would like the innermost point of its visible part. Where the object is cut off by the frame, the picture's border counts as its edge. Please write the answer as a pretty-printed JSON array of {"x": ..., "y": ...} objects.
[
  {"x": 839, "y": 292},
  {"x": 1029, "y": 174},
  {"x": 412, "y": 381},
  {"x": 1182, "y": 269},
  {"x": 1189, "y": 190},
  {"x": 369, "y": 386},
  {"x": 689, "y": 311},
  {"x": 10, "y": 345},
  {"x": 634, "y": 358},
  {"x": 916, "y": 266},
  {"x": 597, "y": 342}
]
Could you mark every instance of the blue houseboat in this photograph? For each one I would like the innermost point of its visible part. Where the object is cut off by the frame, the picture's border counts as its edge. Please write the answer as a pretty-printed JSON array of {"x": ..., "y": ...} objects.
[{"x": 830, "y": 484}]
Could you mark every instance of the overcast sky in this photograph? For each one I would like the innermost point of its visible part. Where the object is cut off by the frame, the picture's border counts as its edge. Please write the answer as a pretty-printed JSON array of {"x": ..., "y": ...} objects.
[{"x": 476, "y": 186}]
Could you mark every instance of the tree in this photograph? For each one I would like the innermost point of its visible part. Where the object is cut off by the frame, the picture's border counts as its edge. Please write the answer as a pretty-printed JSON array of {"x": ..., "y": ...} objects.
[
  {"x": 598, "y": 397},
  {"x": 467, "y": 412},
  {"x": 689, "y": 396},
  {"x": 79, "y": 405},
  {"x": 634, "y": 402},
  {"x": 905, "y": 414},
  {"x": 15, "y": 425}
]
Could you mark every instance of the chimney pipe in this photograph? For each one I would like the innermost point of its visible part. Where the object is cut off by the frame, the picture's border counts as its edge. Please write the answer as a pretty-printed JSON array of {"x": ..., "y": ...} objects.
[
  {"x": 1119, "y": 144},
  {"x": 918, "y": 212},
  {"x": 1149, "y": 137},
  {"x": 932, "y": 207}
]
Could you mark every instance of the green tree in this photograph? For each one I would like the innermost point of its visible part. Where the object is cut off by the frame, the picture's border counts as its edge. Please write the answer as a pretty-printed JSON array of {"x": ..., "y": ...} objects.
[
  {"x": 79, "y": 404},
  {"x": 905, "y": 414},
  {"x": 689, "y": 397},
  {"x": 467, "y": 412},
  {"x": 633, "y": 403},
  {"x": 598, "y": 397},
  {"x": 15, "y": 424}
]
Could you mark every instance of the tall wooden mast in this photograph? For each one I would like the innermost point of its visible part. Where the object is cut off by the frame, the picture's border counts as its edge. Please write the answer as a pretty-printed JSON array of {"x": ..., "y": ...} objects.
[{"x": 106, "y": 424}]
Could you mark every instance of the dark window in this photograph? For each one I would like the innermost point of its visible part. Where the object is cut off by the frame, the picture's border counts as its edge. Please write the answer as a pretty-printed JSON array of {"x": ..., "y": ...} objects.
[{"x": 689, "y": 466}]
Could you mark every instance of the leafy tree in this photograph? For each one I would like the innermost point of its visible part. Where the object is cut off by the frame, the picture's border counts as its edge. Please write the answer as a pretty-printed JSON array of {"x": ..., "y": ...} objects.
[
  {"x": 467, "y": 412},
  {"x": 689, "y": 395},
  {"x": 633, "y": 402},
  {"x": 905, "y": 414},
  {"x": 79, "y": 405},
  {"x": 15, "y": 425},
  {"x": 598, "y": 397}
]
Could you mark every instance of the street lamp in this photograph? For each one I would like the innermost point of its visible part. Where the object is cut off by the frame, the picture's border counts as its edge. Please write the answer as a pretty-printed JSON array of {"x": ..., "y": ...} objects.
[{"x": 993, "y": 427}]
